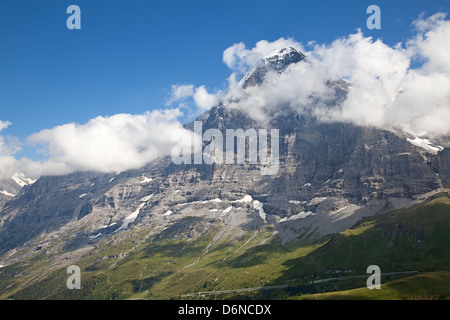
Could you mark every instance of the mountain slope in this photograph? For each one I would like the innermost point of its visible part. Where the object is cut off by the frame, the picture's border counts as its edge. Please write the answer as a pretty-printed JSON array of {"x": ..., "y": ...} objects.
[
  {"x": 141, "y": 230},
  {"x": 278, "y": 61},
  {"x": 327, "y": 170},
  {"x": 9, "y": 188},
  {"x": 169, "y": 267}
]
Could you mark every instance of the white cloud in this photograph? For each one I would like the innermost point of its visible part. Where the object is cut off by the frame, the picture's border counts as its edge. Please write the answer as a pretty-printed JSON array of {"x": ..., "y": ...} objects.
[
  {"x": 280, "y": 93},
  {"x": 432, "y": 43},
  {"x": 386, "y": 90},
  {"x": 205, "y": 100},
  {"x": 9, "y": 146},
  {"x": 375, "y": 71},
  {"x": 238, "y": 58},
  {"x": 202, "y": 98},
  {"x": 423, "y": 24},
  {"x": 4, "y": 124},
  {"x": 8, "y": 166},
  {"x": 180, "y": 92},
  {"x": 108, "y": 144}
]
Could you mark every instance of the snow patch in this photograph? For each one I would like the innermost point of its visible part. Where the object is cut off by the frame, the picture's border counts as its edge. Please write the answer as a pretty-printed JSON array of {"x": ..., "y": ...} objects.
[
  {"x": 260, "y": 207},
  {"x": 201, "y": 202},
  {"x": 112, "y": 224},
  {"x": 107, "y": 226},
  {"x": 246, "y": 199},
  {"x": 227, "y": 210},
  {"x": 295, "y": 201},
  {"x": 300, "y": 215},
  {"x": 168, "y": 213},
  {"x": 317, "y": 200},
  {"x": 95, "y": 236},
  {"x": 425, "y": 144},
  {"x": 306, "y": 185},
  {"x": 340, "y": 209},
  {"x": 146, "y": 180},
  {"x": 147, "y": 198},
  {"x": 131, "y": 217},
  {"x": 6, "y": 193},
  {"x": 21, "y": 180}
]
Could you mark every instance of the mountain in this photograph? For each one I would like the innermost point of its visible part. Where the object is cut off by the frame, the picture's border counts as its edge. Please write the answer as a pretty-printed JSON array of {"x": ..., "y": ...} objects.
[
  {"x": 178, "y": 219},
  {"x": 277, "y": 61},
  {"x": 9, "y": 188}
]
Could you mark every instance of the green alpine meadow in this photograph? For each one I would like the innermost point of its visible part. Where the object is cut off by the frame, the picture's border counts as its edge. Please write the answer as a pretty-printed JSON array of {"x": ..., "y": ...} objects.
[{"x": 406, "y": 240}]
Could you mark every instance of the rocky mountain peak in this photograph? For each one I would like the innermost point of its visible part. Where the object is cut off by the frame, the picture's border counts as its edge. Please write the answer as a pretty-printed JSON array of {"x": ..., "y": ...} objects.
[
  {"x": 10, "y": 187},
  {"x": 277, "y": 61}
]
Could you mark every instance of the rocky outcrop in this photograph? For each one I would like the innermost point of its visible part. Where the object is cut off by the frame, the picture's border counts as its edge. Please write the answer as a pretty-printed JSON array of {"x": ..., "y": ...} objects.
[{"x": 330, "y": 176}]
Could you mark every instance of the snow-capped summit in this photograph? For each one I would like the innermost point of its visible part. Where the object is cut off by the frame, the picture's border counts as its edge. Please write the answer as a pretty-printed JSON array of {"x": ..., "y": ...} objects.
[
  {"x": 277, "y": 61},
  {"x": 285, "y": 55},
  {"x": 22, "y": 180},
  {"x": 9, "y": 188}
]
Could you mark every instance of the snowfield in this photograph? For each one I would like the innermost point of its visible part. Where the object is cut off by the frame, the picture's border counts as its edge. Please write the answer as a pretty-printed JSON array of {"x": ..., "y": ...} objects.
[
  {"x": 425, "y": 144},
  {"x": 131, "y": 217}
]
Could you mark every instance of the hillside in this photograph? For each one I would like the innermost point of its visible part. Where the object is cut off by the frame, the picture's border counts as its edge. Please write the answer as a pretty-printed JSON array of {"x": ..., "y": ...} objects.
[
  {"x": 172, "y": 229},
  {"x": 166, "y": 267}
]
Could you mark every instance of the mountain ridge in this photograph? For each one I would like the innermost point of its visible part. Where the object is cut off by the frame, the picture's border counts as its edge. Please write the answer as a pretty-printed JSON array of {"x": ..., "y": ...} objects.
[
  {"x": 331, "y": 175},
  {"x": 277, "y": 61}
]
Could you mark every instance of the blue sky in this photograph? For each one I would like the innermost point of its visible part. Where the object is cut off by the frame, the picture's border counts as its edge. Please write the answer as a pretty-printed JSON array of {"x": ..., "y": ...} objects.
[{"x": 128, "y": 53}]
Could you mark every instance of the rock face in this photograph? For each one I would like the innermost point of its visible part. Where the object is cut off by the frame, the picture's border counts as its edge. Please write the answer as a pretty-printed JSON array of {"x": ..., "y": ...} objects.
[
  {"x": 278, "y": 61},
  {"x": 330, "y": 175},
  {"x": 441, "y": 164},
  {"x": 9, "y": 188}
]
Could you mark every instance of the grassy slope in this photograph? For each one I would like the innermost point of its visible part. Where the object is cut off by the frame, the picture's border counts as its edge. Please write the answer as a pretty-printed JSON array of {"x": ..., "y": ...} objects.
[
  {"x": 414, "y": 239},
  {"x": 426, "y": 286},
  {"x": 402, "y": 240}
]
